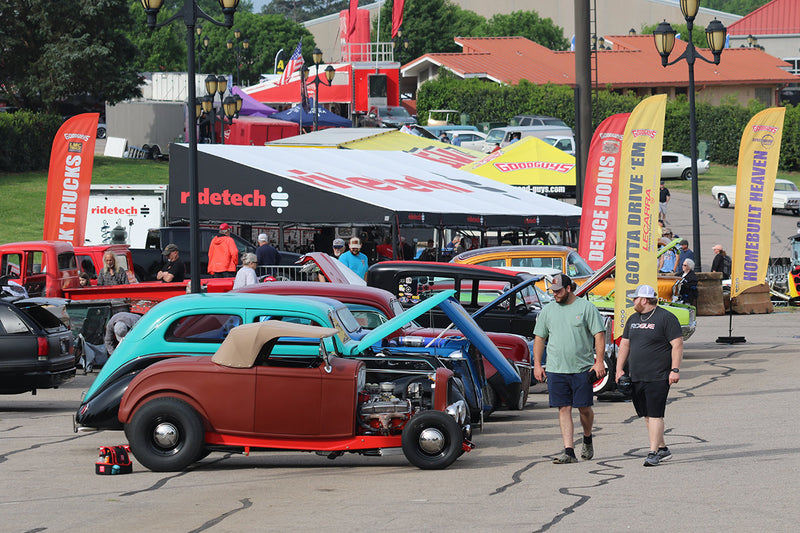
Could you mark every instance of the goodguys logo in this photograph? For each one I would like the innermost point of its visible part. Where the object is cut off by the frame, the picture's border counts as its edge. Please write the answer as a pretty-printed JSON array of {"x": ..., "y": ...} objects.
[
  {"x": 525, "y": 165},
  {"x": 69, "y": 136},
  {"x": 761, "y": 127},
  {"x": 644, "y": 132}
]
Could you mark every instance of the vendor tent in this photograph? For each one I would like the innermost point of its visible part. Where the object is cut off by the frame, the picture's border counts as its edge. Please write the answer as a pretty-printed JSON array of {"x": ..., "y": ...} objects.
[
  {"x": 252, "y": 107},
  {"x": 280, "y": 185},
  {"x": 530, "y": 163},
  {"x": 326, "y": 119}
]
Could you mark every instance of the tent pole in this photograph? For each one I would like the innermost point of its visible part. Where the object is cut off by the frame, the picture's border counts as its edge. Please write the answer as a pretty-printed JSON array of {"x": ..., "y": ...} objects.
[
  {"x": 281, "y": 245},
  {"x": 395, "y": 230}
]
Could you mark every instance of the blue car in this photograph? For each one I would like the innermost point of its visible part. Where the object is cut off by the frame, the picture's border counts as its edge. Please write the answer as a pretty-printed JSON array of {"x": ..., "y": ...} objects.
[{"x": 196, "y": 324}]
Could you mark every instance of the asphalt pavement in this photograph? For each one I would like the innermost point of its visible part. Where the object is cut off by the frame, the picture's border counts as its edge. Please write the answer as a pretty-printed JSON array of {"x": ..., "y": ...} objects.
[{"x": 730, "y": 425}]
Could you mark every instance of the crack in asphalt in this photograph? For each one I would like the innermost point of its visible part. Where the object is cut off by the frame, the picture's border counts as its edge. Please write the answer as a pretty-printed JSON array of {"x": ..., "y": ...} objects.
[
  {"x": 4, "y": 456},
  {"x": 164, "y": 480},
  {"x": 633, "y": 453},
  {"x": 246, "y": 504}
]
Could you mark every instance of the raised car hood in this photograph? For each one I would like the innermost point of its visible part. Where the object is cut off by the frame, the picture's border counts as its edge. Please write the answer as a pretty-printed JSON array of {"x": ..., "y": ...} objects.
[
  {"x": 386, "y": 329},
  {"x": 462, "y": 321}
]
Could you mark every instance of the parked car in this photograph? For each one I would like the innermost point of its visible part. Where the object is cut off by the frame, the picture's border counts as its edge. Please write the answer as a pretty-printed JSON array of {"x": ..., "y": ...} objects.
[
  {"x": 36, "y": 348},
  {"x": 195, "y": 324},
  {"x": 675, "y": 165},
  {"x": 563, "y": 258},
  {"x": 536, "y": 120},
  {"x": 472, "y": 140},
  {"x": 101, "y": 130},
  {"x": 373, "y": 307},
  {"x": 176, "y": 411},
  {"x": 387, "y": 117},
  {"x": 562, "y": 142},
  {"x": 786, "y": 196},
  {"x": 503, "y": 136}
]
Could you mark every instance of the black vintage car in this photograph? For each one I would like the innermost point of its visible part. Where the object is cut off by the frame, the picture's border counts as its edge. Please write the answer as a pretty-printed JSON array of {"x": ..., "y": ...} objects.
[
  {"x": 475, "y": 286},
  {"x": 36, "y": 348}
]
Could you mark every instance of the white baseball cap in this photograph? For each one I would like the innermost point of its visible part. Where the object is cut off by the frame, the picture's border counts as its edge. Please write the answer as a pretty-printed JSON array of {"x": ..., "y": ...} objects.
[{"x": 645, "y": 291}]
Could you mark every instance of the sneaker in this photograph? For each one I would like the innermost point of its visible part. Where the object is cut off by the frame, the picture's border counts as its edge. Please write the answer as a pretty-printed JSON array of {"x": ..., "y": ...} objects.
[
  {"x": 587, "y": 451},
  {"x": 651, "y": 459},
  {"x": 564, "y": 458},
  {"x": 663, "y": 454}
]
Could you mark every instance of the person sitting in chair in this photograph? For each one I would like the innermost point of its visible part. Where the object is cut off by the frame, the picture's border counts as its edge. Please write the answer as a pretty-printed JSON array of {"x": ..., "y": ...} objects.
[{"x": 687, "y": 291}]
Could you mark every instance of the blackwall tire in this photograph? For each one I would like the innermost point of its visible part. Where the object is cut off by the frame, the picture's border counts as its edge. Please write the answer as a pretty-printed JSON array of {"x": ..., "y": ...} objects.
[
  {"x": 723, "y": 201},
  {"x": 166, "y": 435},
  {"x": 686, "y": 174},
  {"x": 432, "y": 440}
]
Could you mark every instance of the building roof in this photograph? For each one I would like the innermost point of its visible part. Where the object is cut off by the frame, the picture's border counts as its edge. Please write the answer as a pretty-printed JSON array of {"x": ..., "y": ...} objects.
[
  {"x": 634, "y": 62},
  {"x": 774, "y": 18}
]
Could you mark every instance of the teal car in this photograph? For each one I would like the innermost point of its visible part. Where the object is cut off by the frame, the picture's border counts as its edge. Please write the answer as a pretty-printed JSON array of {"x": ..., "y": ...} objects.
[{"x": 196, "y": 324}]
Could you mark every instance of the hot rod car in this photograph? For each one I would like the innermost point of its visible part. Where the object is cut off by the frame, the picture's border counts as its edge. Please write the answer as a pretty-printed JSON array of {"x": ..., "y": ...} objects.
[
  {"x": 177, "y": 411},
  {"x": 196, "y": 324}
]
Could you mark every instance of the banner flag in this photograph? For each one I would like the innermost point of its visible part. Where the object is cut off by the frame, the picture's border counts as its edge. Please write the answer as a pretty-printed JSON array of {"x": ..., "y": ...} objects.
[
  {"x": 352, "y": 14},
  {"x": 755, "y": 184},
  {"x": 69, "y": 179},
  {"x": 598, "y": 233},
  {"x": 637, "y": 213},
  {"x": 397, "y": 16}
]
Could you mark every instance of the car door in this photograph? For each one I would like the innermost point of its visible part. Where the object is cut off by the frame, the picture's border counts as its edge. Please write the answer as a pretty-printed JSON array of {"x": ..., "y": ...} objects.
[
  {"x": 18, "y": 345},
  {"x": 288, "y": 394},
  {"x": 670, "y": 166}
]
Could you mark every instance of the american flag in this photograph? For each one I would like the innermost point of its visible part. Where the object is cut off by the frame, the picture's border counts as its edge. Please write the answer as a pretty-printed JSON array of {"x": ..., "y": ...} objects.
[{"x": 295, "y": 63}]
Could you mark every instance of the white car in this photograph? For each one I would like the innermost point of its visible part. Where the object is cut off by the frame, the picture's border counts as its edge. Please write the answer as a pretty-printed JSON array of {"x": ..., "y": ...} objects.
[
  {"x": 472, "y": 140},
  {"x": 564, "y": 143},
  {"x": 675, "y": 165},
  {"x": 786, "y": 196}
]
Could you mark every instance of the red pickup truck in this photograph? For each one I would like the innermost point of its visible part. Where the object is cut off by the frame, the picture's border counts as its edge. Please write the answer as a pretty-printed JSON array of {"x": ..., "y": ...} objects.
[{"x": 51, "y": 269}]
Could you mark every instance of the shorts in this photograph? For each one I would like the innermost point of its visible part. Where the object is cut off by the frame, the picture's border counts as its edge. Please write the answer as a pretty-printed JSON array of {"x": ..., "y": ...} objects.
[
  {"x": 574, "y": 390},
  {"x": 650, "y": 398}
]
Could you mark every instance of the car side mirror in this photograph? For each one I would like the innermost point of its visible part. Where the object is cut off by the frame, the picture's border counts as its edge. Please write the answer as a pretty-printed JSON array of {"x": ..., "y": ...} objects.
[{"x": 325, "y": 356}]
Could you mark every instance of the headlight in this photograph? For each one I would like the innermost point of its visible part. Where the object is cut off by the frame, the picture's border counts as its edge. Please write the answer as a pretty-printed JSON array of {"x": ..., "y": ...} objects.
[
  {"x": 458, "y": 411},
  {"x": 458, "y": 354},
  {"x": 361, "y": 380}
]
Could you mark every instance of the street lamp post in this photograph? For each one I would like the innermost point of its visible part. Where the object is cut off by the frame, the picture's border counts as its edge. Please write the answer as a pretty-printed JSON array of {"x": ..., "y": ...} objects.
[
  {"x": 190, "y": 12},
  {"x": 664, "y": 37},
  {"x": 202, "y": 47},
  {"x": 214, "y": 85},
  {"x": 330, "y": 72},
  {"x": 234, "y": 47}
]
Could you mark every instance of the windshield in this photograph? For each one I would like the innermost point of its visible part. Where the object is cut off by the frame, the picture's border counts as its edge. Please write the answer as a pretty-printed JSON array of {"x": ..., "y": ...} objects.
[
  {"x": 495, "y": 136},
  {"x": 393, "y": 112}
]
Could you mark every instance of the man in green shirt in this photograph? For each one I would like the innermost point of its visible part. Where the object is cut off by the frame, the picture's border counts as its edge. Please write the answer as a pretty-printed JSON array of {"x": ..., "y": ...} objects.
[{"x": 575, "y": 336}]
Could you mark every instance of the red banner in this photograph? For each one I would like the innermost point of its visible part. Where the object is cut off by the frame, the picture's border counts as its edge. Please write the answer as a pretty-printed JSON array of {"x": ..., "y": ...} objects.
[
  {"x": 352, "y": 14},
  {"x": 598, "y": 234},
  {"x": 69, "y": 179},
  {"x": 397, "y": 16}
]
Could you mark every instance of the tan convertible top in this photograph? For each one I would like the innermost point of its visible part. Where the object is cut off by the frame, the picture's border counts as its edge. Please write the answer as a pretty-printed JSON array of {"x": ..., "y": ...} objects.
[{"x": 240, "y": 348}]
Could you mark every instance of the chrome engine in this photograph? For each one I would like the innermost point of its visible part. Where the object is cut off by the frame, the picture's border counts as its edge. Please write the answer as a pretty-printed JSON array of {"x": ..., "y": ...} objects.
[{"x": 381, "y": 412}]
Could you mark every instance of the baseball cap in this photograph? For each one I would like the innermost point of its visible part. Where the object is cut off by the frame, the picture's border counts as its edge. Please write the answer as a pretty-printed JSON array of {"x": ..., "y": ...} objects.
[
  {"x": 645, "y": 291},
  {"x": 224, "y": 226},
  {"x": 684, "y": 241},
  {"x": 560, "y": 281},
  {"x": 120, "y": 330},
  {"x": 338, "y": 243},
  {"x": 168, "y": 249},
  {"x": 355, "y": 242},
  {"x": 262, "y": 237}
]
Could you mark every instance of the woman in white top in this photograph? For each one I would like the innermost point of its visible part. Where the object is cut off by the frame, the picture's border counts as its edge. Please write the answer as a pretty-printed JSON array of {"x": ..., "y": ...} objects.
[{"x": 247, "y": 274}]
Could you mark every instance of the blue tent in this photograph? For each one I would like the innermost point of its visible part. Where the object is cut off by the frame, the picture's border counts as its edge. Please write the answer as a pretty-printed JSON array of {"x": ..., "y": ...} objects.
[{"x": 326, "y": 118}]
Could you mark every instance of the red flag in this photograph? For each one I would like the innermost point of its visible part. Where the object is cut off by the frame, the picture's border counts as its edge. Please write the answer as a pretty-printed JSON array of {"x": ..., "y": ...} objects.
[
  {"x": 397, "y": 16},
  {"x": 598, "y": 233},
  {"x": 352, "y": 14},
  {"x": 69, "y": 178}
]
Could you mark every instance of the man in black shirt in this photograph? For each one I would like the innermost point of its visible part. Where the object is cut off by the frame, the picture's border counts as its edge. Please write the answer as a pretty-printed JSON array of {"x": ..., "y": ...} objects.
[
  {"x": 652, "y": 338},
  {"x": 663, "y": 200},
  {"x": 174, "y": 270}
]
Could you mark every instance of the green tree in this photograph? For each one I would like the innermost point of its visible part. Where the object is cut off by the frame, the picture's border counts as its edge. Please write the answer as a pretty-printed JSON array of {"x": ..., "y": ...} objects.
[
  {"x": 429, "y": 25},
  {"x": 303, "y": 10},
  {"x": 52, "y": 50},
  {"x": 266, "y": 34},
  {"x": 530, "y": 25},
  {"x": 739, "y": 7}
]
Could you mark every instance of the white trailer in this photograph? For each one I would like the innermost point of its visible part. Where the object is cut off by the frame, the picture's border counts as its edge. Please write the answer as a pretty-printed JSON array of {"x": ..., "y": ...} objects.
[{"x": 122, "y": 214}]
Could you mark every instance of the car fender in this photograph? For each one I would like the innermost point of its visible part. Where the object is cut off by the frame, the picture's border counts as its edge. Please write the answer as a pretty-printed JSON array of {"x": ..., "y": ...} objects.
[
  {"x": 440, "y": 397},
  {"x": 147, "y": 386}
]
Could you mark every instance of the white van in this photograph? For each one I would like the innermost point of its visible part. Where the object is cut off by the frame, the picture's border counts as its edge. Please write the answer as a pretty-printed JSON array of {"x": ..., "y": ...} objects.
[{"x": 503, "y": 136}]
